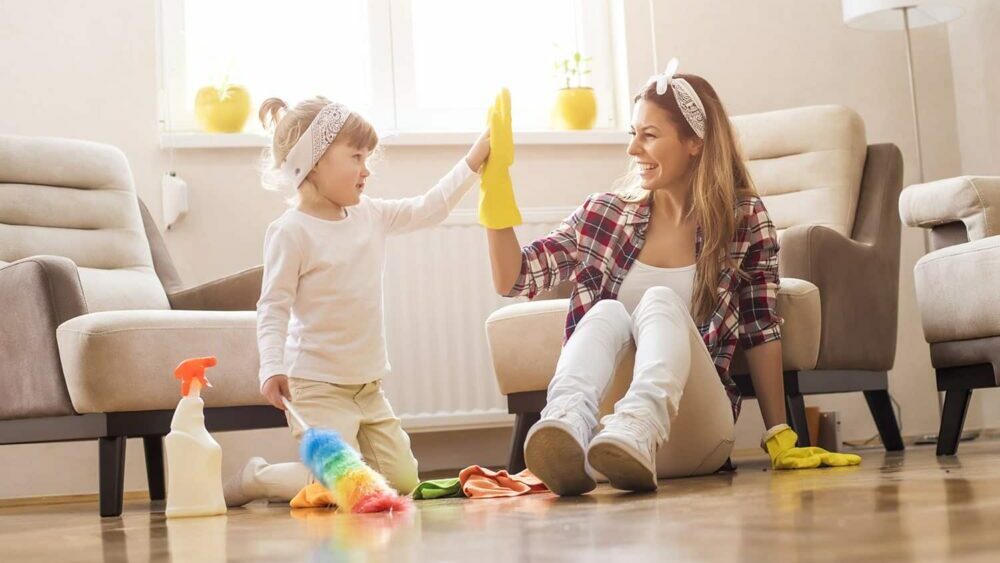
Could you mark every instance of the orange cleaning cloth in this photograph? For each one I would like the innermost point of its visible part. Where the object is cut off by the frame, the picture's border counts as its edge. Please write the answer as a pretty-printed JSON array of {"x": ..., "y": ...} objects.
[
  {"x": 479, "y": 482},
  {"x": 476, "y": 481},
  {"x": 313, "y": 495}
]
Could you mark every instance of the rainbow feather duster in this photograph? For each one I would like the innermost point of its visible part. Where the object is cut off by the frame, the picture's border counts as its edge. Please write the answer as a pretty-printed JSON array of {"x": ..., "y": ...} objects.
[{"x": 355, "y": 487}]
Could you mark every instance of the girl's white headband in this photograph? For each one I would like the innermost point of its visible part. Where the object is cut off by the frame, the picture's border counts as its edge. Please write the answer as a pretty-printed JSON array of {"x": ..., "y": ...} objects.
[{"x": 313, "y": 143}]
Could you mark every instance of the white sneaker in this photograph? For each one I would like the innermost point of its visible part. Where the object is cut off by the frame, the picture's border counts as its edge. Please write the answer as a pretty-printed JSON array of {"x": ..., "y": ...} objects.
[
  {"x": 625, "y": 452},
  {"x": 555, "y": 451}
]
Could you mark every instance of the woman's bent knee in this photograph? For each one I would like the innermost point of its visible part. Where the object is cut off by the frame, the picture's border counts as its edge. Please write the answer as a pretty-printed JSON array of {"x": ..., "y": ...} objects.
[{"x": 610, "y": 310}]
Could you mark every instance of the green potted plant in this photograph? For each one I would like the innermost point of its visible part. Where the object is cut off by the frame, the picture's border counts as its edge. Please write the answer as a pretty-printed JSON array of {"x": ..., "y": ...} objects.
[{"x": 576, "y": 105}]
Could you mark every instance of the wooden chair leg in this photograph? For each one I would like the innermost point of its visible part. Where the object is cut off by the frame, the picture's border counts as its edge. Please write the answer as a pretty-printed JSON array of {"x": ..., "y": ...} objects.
[
  {"x": 956, "y": 405},
  {"x": 885, "y": 420},
  {"x": 153, "y": 446},
  {"x": 112, "y": 474},
  {"x": 522, "y": 423}
]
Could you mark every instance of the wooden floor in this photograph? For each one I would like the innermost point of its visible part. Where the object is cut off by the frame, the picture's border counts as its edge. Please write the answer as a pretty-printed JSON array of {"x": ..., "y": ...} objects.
[{"x": 912, "y": 506}]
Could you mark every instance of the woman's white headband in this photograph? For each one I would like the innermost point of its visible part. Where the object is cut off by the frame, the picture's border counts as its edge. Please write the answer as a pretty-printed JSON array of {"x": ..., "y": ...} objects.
[
  {"x": 687, "y": 98},
  {"x": 313, "y": 143}
]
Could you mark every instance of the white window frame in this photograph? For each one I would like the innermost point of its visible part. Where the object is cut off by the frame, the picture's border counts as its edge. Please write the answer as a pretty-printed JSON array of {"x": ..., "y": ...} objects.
[{"x": 391, "y": 74}]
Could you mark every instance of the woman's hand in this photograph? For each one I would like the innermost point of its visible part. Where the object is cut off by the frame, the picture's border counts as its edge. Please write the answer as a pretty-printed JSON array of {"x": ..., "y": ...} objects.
[
  {"x": 779, "y": 442},
  {"x": 274, "y": 389},
  {"x": 479, "y": 152},
  {"x": 497, "y": 205}
]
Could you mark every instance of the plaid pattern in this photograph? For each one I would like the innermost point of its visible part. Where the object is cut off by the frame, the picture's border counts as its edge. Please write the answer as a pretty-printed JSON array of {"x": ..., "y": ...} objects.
[{"x": 598, "y": 243}]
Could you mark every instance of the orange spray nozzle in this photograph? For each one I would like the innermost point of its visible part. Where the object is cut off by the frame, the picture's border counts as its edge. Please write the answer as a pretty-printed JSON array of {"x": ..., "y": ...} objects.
[{"x": 193, "y": 369}]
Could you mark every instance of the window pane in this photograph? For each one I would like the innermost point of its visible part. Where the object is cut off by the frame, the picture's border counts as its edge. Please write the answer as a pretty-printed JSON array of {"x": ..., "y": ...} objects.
[
  {"x": 464, "y": 51},
  {"x": 294, "y": 49}
]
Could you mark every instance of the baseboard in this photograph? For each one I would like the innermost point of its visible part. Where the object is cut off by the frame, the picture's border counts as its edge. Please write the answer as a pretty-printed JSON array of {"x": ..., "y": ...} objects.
[{"x": 66, "y": 499}]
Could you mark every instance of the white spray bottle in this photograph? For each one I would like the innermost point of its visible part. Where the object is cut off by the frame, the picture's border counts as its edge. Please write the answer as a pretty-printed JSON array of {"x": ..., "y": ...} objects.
[{"x": 194, "y": 458}]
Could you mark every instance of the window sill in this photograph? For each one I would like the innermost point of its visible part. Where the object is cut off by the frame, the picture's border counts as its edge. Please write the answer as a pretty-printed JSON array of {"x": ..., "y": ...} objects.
[{"x": 199, "y": 140}]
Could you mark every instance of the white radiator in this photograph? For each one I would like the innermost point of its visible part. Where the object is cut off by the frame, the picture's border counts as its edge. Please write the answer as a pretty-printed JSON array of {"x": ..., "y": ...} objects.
[{"x": 438, "y": 294}]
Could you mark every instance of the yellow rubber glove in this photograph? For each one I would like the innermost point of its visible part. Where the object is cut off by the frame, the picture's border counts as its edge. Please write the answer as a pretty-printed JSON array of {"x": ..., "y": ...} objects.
[
  {"x": 497, "y": 206},
  {"x": 779, "y": 442}
]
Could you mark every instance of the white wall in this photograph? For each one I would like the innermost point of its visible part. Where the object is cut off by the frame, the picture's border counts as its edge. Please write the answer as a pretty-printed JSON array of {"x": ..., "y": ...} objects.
[{"x": 88, "y": 71}]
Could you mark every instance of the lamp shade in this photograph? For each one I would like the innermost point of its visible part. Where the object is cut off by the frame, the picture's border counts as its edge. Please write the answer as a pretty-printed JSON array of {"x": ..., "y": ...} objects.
[{"x": 884, "y": 14}]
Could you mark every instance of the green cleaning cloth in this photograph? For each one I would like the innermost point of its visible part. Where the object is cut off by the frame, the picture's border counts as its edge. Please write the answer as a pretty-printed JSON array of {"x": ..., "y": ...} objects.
[{"x": 439, "y": 488}]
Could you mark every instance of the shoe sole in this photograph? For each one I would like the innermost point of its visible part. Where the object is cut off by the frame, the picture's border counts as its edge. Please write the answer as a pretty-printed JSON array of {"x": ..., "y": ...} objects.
[
  {"x": 621, "y": 466},
  {"x": 555, "y": 457}
]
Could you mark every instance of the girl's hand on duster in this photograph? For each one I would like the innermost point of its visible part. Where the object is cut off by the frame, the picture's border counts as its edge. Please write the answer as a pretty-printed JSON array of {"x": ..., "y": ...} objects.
[{"x": 274, "y": 389}]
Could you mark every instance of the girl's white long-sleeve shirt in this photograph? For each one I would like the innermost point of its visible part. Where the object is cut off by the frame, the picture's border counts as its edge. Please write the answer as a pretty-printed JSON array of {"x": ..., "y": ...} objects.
[{"x": 320, "y": 311}]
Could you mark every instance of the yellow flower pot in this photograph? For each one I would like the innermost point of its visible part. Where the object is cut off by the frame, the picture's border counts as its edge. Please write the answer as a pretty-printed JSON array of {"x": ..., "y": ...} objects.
[
  {"x": 222, "y": 111},
  {"x": 576, "y": 108}
]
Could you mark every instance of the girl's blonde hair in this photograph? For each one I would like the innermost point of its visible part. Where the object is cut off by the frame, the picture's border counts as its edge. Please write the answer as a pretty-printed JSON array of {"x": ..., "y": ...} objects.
[
  {"x": 288, "y": 126},
  {"x": 719, "y": 179}
]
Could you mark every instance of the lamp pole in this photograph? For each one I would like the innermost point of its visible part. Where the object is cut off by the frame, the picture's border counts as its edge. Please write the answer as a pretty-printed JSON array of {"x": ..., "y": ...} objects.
[{"x": 913, "y": 91}]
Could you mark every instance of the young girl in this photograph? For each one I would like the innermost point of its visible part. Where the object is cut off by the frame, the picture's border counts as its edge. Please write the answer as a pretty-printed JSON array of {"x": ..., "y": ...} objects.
[
  {"x": 320, "y": 326},
  {"x": 684, "y": 263}
]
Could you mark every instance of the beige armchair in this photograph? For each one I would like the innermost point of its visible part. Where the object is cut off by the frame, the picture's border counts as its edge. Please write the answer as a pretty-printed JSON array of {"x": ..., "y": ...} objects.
[
  {"x": 833, "y": 199},
  {"x": 95, "y": 317},
  {"x": 956, "y": 286}
]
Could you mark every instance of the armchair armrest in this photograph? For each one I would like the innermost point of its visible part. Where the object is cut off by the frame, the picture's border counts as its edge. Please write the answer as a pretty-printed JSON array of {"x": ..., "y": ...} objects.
[
  {"x": 971, "y": 200},
  {"x": 858, "y": 295},
  {"x": 37, "y": 294},
  {"x": 236, "y": 292},
  {"x": 857, "y": 277}
]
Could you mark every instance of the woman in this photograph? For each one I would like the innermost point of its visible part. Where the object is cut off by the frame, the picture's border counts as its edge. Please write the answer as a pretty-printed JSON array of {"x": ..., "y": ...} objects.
[{"x": 684, "y": 262}]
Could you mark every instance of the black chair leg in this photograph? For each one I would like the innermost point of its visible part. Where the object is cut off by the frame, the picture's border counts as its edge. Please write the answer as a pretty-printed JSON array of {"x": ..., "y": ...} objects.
[
  {"x": 885, "y": 420},
  {"x": 522, "y": 423},
  {"x": 111, "y": 465},
  {"x": 956, "y": 405},
  {"x": 795, "y": 411},
  {"x": 153, "y": 446}
]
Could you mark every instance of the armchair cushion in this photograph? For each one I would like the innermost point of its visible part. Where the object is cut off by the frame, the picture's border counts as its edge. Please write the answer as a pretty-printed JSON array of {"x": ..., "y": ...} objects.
[
  {"x": 806, "y": 163},
  {"x": 76, "y": 199},
  {"x": 971, "y": 200},
  {"x": 124, "y": 360},
  {"x": 957, "y": 291}
]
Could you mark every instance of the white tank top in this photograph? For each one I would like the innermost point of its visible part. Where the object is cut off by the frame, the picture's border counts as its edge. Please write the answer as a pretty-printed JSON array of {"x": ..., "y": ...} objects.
[{"x": 643, "y": 276}]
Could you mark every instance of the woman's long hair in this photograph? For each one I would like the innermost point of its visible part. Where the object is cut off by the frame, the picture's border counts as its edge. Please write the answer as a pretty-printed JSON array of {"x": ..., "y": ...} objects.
[{"x": 719, "y": 177}]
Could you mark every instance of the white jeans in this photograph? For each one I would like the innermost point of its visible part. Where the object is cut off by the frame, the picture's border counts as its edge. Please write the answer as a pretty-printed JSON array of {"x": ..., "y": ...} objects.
[{"x": 674, "y": 382}]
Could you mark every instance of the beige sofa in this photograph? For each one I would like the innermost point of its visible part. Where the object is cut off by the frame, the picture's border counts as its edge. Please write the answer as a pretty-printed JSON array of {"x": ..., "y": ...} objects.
[
  {"x": 95, "y": 317},
  {"x": 958, "y": 289},
  {"x": 833, "y": 199}
]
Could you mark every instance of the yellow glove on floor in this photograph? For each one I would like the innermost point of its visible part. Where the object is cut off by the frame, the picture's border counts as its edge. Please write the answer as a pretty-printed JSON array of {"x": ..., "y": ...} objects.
[
  {"x": 497, "y": 207},
  {"x": 779, "y": 442}
]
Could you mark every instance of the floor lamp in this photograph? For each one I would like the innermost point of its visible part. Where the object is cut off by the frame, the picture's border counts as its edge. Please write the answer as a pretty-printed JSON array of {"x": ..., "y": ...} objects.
[{"x": 882, "y": 15}]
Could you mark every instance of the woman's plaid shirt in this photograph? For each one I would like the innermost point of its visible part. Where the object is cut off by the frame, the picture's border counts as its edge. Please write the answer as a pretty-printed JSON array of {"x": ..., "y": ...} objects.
[{"x": 597, "y": 245}]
